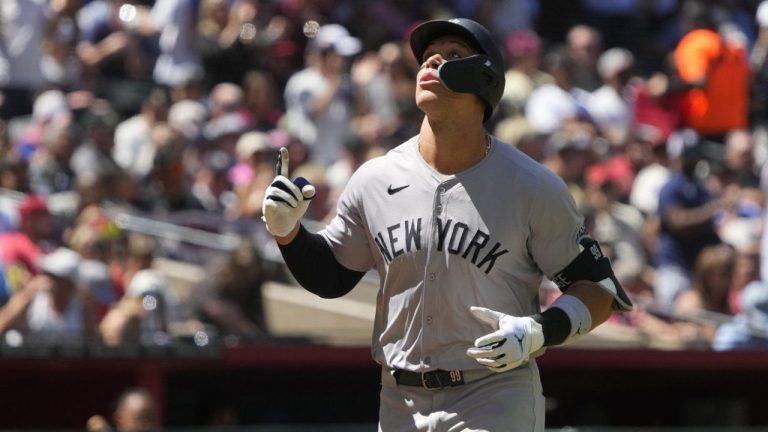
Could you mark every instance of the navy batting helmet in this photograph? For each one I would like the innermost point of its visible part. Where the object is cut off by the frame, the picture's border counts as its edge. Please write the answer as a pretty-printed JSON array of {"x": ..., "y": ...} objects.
[{"x": 491, "y": 86}]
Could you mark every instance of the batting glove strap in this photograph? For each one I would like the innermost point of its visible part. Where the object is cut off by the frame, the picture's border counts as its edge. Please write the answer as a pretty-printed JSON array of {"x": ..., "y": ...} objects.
[
  {"x": 285, "y": 203},
  {"x": 511, "y": 345}
]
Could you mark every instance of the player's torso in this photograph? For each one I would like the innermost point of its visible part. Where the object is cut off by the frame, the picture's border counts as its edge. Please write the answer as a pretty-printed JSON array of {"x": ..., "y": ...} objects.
[{"x": 441, "y": 245}]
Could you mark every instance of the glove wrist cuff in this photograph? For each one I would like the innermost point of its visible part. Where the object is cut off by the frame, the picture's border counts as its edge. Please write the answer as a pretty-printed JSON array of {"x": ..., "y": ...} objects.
[{"x": 567, "y": 319}]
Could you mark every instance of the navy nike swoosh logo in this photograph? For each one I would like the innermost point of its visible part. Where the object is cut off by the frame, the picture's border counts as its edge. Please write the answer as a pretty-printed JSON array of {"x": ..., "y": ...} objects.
[
  {"x": 520, "y": 341},
  {"x": 392, "y": 191}
]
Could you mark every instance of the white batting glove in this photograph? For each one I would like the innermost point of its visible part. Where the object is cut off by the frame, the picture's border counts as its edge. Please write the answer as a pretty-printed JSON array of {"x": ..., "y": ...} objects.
[
  {"x": 510, "y": 345},
  {"x": 285, "y": 201}
]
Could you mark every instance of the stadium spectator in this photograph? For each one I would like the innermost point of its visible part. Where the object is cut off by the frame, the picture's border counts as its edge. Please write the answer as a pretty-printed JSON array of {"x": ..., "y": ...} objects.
[
  {"x": 261, "y": 100},
  {"x": 524, "y": 49},
  {"x": 187, "y": 118},
  {"x": 173, "y": 23},
  {"x": 252, "y": 173},
  {"x": 51, "y": 309},
  {"x": 610, "y": 106},
  {"x": 230, "y": 296},
  {"x": 568, "y": 152},
  {"x": 134, "y": 150},
  {"x": 550, "y": 105},
  {"x": 21, "y": 57},
  {"x": 717, "y": 72},
  {"x": 20, "y": 249},
  {"x": 748, "y": 329},
  {"x": 235, "y": 37},
  {"x": 227, "y": 119},
  {"x": 116, "y": 62},
  {"x": 686, "y": 212},
  {"x": 93, "y": 157},
  {"x": 144, "y": 313},
  {"x": 120, "y": 324},
  {"x": 60, "y": 64},
  {"x": 49, "y": 167},
  {"x": 135, "y": 411},
  {"x": 735, "y": 174},
  {"x": 651, "y": 177},
  {"x": 585, "y": 44},
  {"x": 50, "y": 107},
  {"x": 168, "y": 189},
  {"x": 211, "y": 186},
  {"x": 612, "y": 223},
  {"x": 693, "y": 320},
  {"x": 14, "y": 176},
  {"x": 711, "y": 288},
  {"x": 320, "y": 99}
]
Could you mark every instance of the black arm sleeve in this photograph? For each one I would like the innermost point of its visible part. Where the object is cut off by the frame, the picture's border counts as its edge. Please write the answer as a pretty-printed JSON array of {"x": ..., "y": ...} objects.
[
  {"x": 555, "y": 325},
  {"x": 313, "y": 265}
]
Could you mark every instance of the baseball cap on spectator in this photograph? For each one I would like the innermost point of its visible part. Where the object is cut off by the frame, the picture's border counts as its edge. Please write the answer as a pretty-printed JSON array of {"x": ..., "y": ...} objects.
[
  {"x": 250, "y": 143},
  {"x": 146, "y": 281},
  {"x": 614, "y": 61},
  {"x": 225, "y": 97},
  {"x": 521, "y": 43},
  {"x": 335, "y": 37},
  {"x": 187, "y": 117},
  {"x": 50, "y": 105},
  {"x": 62, "y": 262},
  {"x": 616, "y": 171},
  {"x": 32, "y": 204}
]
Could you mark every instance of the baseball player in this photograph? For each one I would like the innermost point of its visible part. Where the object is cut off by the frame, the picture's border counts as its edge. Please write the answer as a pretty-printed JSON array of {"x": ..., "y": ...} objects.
[{"x": 461, "y": 229}]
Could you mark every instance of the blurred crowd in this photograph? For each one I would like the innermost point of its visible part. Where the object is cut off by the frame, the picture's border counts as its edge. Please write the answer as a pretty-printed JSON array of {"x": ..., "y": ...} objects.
[{"x": 653, "y": 113}]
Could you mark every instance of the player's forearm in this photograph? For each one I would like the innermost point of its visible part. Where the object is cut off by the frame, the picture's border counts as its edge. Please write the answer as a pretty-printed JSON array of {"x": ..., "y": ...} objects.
[
  {"x": 312, "y": 263},
  {"x": 584, "y": 307},
  {"x": 597, "y": 300}
]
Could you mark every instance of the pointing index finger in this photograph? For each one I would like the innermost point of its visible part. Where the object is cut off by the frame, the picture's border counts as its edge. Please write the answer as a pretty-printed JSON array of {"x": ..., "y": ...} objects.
[{"x": 282, "y": 162}]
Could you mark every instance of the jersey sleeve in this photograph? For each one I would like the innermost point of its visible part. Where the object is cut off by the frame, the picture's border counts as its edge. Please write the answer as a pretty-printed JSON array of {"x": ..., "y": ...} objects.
[
  {"x": 347, "y": 233},
  {"x": 555, "y": 228}
]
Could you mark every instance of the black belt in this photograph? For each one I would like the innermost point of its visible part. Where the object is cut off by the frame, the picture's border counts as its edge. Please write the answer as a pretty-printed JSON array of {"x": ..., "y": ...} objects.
[{"x": 431, "y": 380}]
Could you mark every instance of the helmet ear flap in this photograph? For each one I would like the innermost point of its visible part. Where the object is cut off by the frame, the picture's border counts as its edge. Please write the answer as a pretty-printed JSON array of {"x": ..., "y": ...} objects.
[
  {"x": 465, "y": 75},
  {"x": 472, "y": 74}
]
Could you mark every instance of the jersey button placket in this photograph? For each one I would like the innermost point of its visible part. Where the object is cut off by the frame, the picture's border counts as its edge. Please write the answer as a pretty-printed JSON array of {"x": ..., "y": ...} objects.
[{"x": 431, "y": 280}]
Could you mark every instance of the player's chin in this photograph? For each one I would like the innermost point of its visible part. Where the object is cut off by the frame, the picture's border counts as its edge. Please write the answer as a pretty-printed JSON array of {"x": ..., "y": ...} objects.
[{"x": 426, "y": 97}]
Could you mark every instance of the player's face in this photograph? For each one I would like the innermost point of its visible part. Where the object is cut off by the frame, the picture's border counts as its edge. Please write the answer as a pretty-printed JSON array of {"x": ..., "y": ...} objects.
[{"x": 429, "y": 88}]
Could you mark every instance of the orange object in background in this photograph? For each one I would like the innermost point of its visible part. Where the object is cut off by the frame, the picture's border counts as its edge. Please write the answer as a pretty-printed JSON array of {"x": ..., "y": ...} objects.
[{"x": 721, "y": 104}]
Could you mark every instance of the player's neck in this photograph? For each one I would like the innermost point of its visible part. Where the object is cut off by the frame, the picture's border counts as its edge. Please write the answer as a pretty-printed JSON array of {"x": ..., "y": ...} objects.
[{"x": 451, "y": 147}]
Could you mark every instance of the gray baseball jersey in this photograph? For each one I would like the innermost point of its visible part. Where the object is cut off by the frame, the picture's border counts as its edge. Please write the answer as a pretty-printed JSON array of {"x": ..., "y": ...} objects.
[{"x": 483, "y": 237}]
